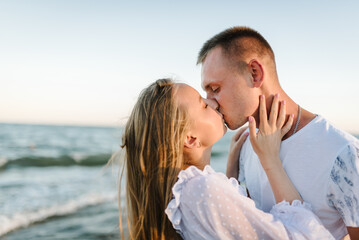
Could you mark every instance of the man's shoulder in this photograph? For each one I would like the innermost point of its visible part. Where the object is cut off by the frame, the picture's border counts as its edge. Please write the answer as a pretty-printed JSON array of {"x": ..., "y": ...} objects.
[
  {"x": 331, "y": 133},
  {"x": 335, "y": 132}
]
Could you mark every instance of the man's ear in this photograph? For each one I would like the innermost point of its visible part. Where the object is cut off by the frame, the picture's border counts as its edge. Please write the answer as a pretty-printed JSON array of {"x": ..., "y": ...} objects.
[
  {"x": 191, "y": 142},
  {"x": 257, "y": 73}
]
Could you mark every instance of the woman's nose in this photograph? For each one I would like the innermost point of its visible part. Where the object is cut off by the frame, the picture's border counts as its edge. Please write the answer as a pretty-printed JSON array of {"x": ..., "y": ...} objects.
[{"x": 212, "y": 103}]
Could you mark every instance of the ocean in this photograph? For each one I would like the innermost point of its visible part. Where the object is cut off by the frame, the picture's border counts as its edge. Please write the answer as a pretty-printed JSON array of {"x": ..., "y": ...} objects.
[{"x": 54, "y": 183}]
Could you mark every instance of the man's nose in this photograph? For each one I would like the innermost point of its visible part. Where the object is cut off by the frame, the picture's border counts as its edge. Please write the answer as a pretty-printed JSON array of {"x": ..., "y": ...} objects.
[
  {"x": 210, "y": 95},
  {"x": 212, "y": 103}
]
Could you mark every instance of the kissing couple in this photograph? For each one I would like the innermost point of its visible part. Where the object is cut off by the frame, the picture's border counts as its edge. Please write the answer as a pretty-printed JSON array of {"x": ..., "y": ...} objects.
[{"x": 301, "y": 174}]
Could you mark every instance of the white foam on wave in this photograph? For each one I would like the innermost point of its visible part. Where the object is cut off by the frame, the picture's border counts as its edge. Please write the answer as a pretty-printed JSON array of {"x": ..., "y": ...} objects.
[
  {"x": 3, "y": 161},
  {"x": 24, "y": 219}
]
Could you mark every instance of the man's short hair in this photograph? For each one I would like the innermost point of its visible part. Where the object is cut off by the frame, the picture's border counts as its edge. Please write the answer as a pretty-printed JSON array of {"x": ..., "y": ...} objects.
[{"x": 237, "y": 43}]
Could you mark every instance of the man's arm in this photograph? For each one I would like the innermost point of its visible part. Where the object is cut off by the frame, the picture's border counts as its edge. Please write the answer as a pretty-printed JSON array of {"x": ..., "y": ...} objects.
[{"x": 343, "y": 190}]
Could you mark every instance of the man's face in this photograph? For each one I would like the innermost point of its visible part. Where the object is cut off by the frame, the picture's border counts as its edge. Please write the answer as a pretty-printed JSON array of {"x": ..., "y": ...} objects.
[{"x": 233, "y": 90}]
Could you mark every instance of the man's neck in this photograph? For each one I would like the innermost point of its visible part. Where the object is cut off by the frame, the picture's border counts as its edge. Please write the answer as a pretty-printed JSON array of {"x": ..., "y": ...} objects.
[
  {"x": 291, "y": 108},
  {"x": 305, "y": 118}
]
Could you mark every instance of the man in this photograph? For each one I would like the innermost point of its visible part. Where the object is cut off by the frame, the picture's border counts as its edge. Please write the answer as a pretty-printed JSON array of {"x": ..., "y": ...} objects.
[{"x": 238, "y": 66}]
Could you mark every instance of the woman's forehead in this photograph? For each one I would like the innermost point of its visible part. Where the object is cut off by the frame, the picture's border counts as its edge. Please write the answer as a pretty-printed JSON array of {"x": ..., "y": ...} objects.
[{"x": 183, "y": 90}]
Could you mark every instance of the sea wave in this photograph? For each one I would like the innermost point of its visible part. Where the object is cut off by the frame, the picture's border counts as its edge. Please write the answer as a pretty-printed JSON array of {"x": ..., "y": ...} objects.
[
  {"x": 31, "y": 161},
  {"x": 67, "y": 160},
  {"x": 24, "y": 219}
]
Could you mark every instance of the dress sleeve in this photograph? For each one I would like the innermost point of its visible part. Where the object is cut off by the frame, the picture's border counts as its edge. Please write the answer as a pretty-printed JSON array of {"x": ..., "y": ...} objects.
[
  {"x": 213, "y": 208},
  {"x": 343, "y": 190}
]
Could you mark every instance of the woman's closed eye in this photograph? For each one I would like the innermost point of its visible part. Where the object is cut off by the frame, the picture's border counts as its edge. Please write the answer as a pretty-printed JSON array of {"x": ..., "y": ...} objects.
[{"x": 204, "y": 101}]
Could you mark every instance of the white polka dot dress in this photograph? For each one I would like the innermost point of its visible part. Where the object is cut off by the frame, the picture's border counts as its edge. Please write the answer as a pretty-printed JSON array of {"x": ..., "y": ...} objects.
[{"x": 208, "y": 205}]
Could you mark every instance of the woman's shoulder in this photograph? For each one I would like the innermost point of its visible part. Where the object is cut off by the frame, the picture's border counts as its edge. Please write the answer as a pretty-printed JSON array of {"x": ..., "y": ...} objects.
[
  {"x": 195, "y": 185},
  {"x": 197, "y": 180},
  {"x": 194, "y": 182},
  {"x": 194, "y": 175},
  {"x": 194, "y": 179}
]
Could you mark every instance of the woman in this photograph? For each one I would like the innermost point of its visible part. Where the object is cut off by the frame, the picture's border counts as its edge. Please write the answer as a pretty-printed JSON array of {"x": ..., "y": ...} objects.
[{"x": 168, "y": 140}]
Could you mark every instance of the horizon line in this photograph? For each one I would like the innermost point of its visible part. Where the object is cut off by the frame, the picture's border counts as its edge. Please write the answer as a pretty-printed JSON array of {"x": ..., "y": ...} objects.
[{"x": 63, "y": 124}]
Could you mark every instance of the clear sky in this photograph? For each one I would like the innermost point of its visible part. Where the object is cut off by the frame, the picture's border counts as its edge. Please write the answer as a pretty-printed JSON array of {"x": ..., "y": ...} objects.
[{"x": 85, "y": 62}]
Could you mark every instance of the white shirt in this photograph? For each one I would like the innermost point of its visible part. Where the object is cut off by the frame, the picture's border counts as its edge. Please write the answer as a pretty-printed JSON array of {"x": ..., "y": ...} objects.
[
  {"x": 208, "y": 205},
  {"x": 322, "y": 162}
]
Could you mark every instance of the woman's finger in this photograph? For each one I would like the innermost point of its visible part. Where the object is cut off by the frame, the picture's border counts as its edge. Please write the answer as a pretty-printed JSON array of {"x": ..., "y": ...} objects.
[
  {"x": 273, "y": 115},
  {"x": 241, "y": 140},
  {"x": 282, "y": 113},
  {"x": 239, "y": 133},
  {"x": 262, "y": 112},
  {"x": 287, "y": 126},
  {"x": 252, "y": 128}
]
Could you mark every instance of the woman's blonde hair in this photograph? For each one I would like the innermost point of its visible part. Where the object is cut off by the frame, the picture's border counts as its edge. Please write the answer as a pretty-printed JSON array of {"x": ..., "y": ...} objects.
[{"x": 153, "y": 138}]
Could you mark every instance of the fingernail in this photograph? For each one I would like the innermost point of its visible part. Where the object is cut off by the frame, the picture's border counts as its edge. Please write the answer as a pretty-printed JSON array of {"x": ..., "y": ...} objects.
[
  {"x": 276, "y": 95},
  {"x": 283, "y": 102},
  {"x": 262, "y": 97},
  {"x": 250, "y": 119},
  {"x": 292, "y": 115},
  {"x": 246, "y": 134}
]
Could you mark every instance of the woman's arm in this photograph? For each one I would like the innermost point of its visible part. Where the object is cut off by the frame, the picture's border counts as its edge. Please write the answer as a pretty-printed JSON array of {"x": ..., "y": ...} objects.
[
  {"x": 234, "y": 151},
  {"x": 211, "y": 207},
  {"x": 266, "y": 143}
]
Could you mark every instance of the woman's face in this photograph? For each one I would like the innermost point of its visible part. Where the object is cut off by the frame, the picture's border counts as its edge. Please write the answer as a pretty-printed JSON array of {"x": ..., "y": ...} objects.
[{"x": 207, "y": 124}]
